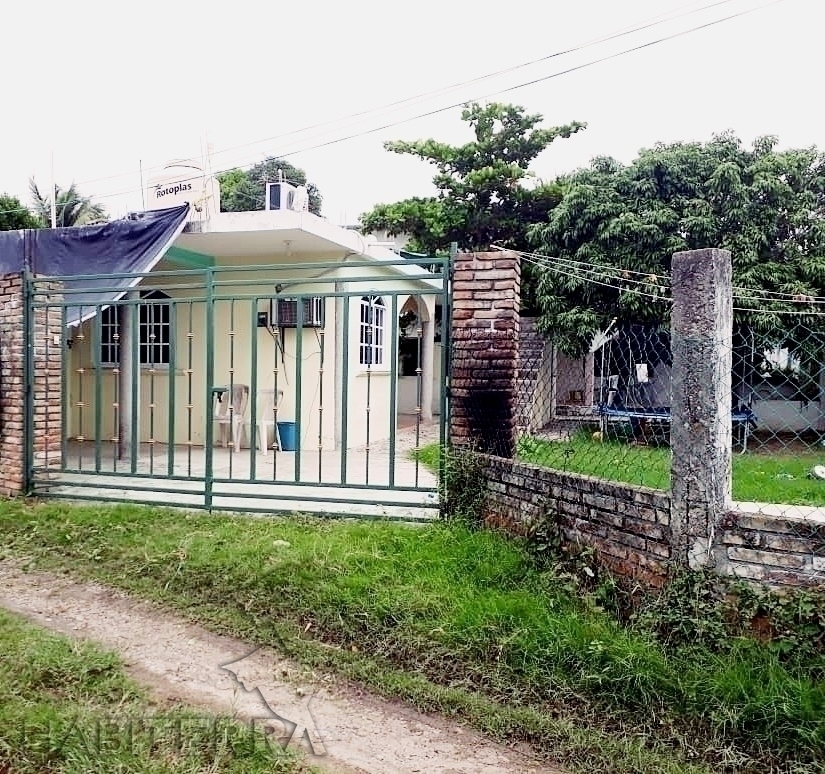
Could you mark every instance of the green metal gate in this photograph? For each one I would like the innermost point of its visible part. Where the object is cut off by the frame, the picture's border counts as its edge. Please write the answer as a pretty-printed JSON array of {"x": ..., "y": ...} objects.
[{"x": 250, "y": 388}]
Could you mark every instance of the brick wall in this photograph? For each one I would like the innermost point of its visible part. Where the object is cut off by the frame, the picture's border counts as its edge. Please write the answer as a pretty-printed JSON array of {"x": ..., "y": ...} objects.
[
  {"x": 628, "y": 526},
  {"x": 779, "y": 550},
  {"x": 46, "y": 349}
]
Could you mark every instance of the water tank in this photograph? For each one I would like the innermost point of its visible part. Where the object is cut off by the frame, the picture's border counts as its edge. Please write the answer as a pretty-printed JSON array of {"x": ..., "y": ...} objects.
[{"x": 184, "y": 182}]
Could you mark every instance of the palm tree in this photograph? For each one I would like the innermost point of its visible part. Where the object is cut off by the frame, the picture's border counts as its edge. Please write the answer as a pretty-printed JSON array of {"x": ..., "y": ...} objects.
[{"x": 72, "y": 208}]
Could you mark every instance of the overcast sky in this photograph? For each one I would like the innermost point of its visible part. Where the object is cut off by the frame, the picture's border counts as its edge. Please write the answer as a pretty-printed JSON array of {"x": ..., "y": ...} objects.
[{"x": 105, "y": 89}]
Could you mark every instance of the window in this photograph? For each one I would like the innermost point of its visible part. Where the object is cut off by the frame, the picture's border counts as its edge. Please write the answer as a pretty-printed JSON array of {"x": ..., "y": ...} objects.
[
  {"x": 153, "y": 331},
  {"x": 373, "y": 316}
]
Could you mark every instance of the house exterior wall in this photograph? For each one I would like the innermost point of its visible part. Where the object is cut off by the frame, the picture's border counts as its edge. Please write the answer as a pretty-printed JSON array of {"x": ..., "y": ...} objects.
[{"x": 235, "y": 308}]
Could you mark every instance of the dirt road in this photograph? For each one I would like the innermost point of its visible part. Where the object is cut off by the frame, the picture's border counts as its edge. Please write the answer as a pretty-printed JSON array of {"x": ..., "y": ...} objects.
[{"x": 179, "y": 661}]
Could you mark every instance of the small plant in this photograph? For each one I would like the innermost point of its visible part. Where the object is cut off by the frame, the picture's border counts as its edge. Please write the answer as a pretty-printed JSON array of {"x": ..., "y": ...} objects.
[
  {"x": 689, "y": 611},
  {"x": 461, "y": 487}
]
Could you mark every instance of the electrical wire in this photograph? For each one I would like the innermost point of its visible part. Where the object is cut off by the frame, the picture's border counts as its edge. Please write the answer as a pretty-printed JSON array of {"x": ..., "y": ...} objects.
[
  {"x": 436, "y": 111},
  {"x": 622, "y": 32}
]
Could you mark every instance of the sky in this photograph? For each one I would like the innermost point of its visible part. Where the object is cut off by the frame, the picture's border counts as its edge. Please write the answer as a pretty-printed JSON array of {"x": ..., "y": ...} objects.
[{"x": 100, "y": 89}]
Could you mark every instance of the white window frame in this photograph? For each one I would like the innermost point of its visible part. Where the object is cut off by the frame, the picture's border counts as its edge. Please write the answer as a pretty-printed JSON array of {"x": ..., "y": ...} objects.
[{"x": 372, "y": 333}]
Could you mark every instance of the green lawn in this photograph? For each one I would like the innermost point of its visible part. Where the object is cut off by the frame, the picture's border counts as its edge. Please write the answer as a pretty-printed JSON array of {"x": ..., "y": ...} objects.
[
  {"x": 775, "y": 477},
  {"x": 68, "y": 707},
  {"x": 456, "y": 621}
]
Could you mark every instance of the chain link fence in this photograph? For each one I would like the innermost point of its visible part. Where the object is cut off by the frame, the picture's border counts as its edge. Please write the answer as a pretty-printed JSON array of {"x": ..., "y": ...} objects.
[{"x": 604, "y": 413}]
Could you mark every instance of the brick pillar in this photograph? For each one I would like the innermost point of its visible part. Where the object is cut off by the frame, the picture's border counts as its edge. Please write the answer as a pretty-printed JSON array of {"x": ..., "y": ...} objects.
[
  {"x": 12, "y": 385},
  {"x": 484, "y": 350},
  {"x": 47, "y": 395},
  {"x": 45, "y": 347},
  {"x": 700, "y": 435}
]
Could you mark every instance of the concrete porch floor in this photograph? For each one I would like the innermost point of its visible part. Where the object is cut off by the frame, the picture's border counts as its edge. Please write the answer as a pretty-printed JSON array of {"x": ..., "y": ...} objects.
[{"x": 387, "y": 482}]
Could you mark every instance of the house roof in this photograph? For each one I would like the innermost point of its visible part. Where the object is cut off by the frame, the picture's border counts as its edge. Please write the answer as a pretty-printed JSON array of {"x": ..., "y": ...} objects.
[{"x": 277, "y": 234}]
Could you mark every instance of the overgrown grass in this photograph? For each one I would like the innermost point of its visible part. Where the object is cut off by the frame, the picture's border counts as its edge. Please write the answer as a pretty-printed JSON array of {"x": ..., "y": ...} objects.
[
  {"x": 757, "y": 476},
  {"x": 68, "y": 707},
  {"x": 453, "y": 620}
]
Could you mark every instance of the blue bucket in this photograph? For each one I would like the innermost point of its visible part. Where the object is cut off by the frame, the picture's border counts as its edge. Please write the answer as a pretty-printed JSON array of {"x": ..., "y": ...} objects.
[{"x": 286, "y": 430}]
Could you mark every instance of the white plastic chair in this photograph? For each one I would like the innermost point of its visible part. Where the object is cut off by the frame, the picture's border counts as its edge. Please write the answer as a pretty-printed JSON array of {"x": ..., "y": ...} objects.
[
  {"x": 265, "y": 417},
  {"x": 229, "y": 413}
]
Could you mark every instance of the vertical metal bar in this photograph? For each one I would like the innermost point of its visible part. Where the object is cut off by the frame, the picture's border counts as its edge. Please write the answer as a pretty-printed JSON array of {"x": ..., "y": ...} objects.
[
  {"x": 81, "y": 337},
  {"x": 190, "y": 335},
  {"x": 172, "y": 385},
  {"x": 64, "y": 386},
  {"x": 444, "y": 385},
  {"x": 299, "y": 362},
  {"x": 116, "y": 389},
  {"x": 345, "y": 384},
  {"x": 134, "y": 337},
  {"x": 276, "y": 343},
  {"x": 370, "y": 352},
  {"x": 210, "y": 377},
  {"x": 28, "y": 390},
  {"x": 419, "y": 389},
  {"x": 231, "y": 398},
  {"x": 253, "y": 391},
  {"x": 150, "y": 311},
  {"x": 321, "y": 342},
  {"x": 393, "y": 386},
  {"x": 98, "y": 371}
]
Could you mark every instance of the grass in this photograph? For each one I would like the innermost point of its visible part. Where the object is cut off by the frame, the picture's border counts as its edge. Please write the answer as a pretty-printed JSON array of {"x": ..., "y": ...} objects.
[
  {"x": 455, "y": 621},
  {"x": 757, "y": 477},
  {"x": 69, "y": 707}
]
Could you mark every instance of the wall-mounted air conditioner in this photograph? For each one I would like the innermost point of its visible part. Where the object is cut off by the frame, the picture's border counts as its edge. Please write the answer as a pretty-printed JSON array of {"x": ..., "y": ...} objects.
[{"x": 284, "y": 312}]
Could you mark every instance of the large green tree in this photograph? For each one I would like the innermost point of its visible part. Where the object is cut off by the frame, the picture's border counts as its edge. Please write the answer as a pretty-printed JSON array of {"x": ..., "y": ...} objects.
[
  {"x": 71, "y": 207},
  {"x": 14, "y": 214},
  {"x": 243, "y": 190},
  {"x": 482, "y": 197},
  {"x": 617, "y": 227}
]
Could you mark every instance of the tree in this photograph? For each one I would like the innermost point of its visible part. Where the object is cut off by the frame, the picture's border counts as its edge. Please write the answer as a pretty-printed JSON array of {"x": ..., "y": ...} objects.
[
  {"x": 482, "y": 199},
  {"x": 72, "y": 208},
  {"x": 617, "y": 227},
  {"x": 14, "y": 214},
  {"x": 245, "y": 190}
]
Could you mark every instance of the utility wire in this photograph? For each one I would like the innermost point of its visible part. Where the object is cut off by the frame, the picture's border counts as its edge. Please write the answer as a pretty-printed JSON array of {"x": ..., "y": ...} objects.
[
  {"x": 435, "y": 111},
  {"x": 651, "y": 22}
]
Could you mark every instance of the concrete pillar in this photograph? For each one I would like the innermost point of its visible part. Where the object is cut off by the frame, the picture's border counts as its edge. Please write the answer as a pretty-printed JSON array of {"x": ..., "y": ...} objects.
[
  {"x": 700, "y": 436},
  {"x": 484, "y": 349}
]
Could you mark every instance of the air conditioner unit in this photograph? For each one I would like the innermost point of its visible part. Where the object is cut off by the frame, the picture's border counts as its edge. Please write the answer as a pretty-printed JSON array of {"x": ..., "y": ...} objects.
[
  {"x": 284, "y": 312},
  {"x": 280, "y": 196}
]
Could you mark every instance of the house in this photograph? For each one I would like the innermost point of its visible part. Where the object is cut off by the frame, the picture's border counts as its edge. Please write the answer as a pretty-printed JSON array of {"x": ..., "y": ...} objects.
[{"x": 276, "y": 300}]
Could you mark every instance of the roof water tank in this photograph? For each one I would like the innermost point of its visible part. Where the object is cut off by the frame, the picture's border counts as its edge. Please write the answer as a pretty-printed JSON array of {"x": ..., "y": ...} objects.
[{"x": 184, "y": 182}]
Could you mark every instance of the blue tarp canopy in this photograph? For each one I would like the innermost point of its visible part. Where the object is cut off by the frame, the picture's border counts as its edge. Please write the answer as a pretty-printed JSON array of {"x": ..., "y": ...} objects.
[{"x": 131, "y": 245}]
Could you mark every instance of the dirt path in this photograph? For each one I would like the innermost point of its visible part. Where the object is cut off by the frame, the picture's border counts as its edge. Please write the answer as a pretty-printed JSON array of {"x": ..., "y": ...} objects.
[{"x": 356, "y": 732}]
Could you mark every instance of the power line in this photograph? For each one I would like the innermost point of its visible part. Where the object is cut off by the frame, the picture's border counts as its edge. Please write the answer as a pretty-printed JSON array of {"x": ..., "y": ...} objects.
[
  {"x": 479, "y": 98},
  {"x": 446, "y": 89}
]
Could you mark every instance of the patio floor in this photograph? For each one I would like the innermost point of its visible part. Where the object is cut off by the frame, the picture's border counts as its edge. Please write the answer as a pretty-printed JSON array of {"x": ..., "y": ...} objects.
[{"x": 379, "y": 482}]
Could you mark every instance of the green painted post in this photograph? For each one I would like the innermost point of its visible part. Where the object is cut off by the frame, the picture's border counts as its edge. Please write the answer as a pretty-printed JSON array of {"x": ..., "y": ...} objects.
[
  {"x": 393, "y": 387},
  {"x": 173, "y": 385},
  {"x": 299, "y": 355},
  {"x": 253, "y": 389},
  {"x": 96, "y": 347},
  {"x": 210, "y": 377},
  {"x": 345, "y": 390}
]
